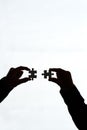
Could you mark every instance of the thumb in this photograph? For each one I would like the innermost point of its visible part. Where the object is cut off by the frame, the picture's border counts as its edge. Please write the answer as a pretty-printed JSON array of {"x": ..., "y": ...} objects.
[
  {"x": 53, "y": 80},
  {"x": 23, "y": 80}
]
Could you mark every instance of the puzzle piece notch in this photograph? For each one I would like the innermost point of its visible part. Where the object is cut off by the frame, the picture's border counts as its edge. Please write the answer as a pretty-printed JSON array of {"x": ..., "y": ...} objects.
[
  {"x": 47, "y": 74},
  {"x": 33, "y": 74}
]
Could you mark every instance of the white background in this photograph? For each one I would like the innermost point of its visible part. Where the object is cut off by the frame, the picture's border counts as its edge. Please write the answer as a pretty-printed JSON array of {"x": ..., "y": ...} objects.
[{"x": 41, "y": 34}]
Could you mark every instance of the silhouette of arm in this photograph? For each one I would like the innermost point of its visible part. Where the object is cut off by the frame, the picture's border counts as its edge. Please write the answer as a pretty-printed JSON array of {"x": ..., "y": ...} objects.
[
  {"x": 73, "y": 99},
  {"x": 11, "y": 81}
]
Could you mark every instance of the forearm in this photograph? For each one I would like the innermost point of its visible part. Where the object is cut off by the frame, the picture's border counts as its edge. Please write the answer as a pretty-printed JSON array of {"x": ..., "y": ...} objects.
[
  {"x": 76, "y": 106},
  {"x": 4, "y": 89},
  {"x": 72, "y": 97}
]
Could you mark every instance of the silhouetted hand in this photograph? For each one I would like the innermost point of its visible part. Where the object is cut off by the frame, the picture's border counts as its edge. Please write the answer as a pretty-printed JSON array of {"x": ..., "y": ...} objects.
[
  {"x": 12, "y": 80},
  {"x": 64, "y": 79},
  {"x": 13, "y": 76}
]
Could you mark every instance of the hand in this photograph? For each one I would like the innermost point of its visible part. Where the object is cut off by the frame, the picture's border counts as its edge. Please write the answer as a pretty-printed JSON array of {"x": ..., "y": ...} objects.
[
  {"x": 13, "y": 76},
  {"x": 64, "y": 79}
]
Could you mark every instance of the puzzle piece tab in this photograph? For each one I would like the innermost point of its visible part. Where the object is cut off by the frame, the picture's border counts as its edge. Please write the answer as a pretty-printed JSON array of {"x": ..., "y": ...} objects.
[
  {"x": 47, "y": 74},
  {"x": 33, "y": 74}
]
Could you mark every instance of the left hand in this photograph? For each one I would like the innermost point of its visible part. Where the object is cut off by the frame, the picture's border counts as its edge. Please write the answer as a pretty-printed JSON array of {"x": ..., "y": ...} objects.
[{"x": 13, "y": 76}]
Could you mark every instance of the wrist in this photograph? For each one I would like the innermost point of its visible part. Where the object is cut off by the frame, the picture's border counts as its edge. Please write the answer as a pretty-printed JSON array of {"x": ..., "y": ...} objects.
[
  {"x": 67, "y": 87},
  {"x": 5, "y": 85}
]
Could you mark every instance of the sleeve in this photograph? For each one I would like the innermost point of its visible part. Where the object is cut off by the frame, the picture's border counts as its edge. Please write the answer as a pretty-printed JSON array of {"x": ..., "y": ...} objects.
[
  {"x": 76, "y": 106},
  {"x": 4, "y": 89}
]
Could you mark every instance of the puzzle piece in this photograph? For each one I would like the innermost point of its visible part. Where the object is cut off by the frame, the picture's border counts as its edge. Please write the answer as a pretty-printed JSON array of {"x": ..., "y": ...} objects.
[
  {"x": 47, "y": 74},
  {"x": 32, "y": 74}
]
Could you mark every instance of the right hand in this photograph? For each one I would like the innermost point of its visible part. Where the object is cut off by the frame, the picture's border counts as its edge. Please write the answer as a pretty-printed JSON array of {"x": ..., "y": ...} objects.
[{"x": 64, "y": 79}]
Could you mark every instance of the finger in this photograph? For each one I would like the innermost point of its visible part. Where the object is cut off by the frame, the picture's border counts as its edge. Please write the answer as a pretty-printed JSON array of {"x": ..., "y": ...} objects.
[
  {"x": 10, "y": 71},
  {"x": 23, "y": 80},
  {"x": 55, "y": 69},
  {"x": 22, "y": 68},
  {"x": 53, "y": 80},
  {"x": 58, "y": 71},
  {"x": 19, "y": 74}
]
